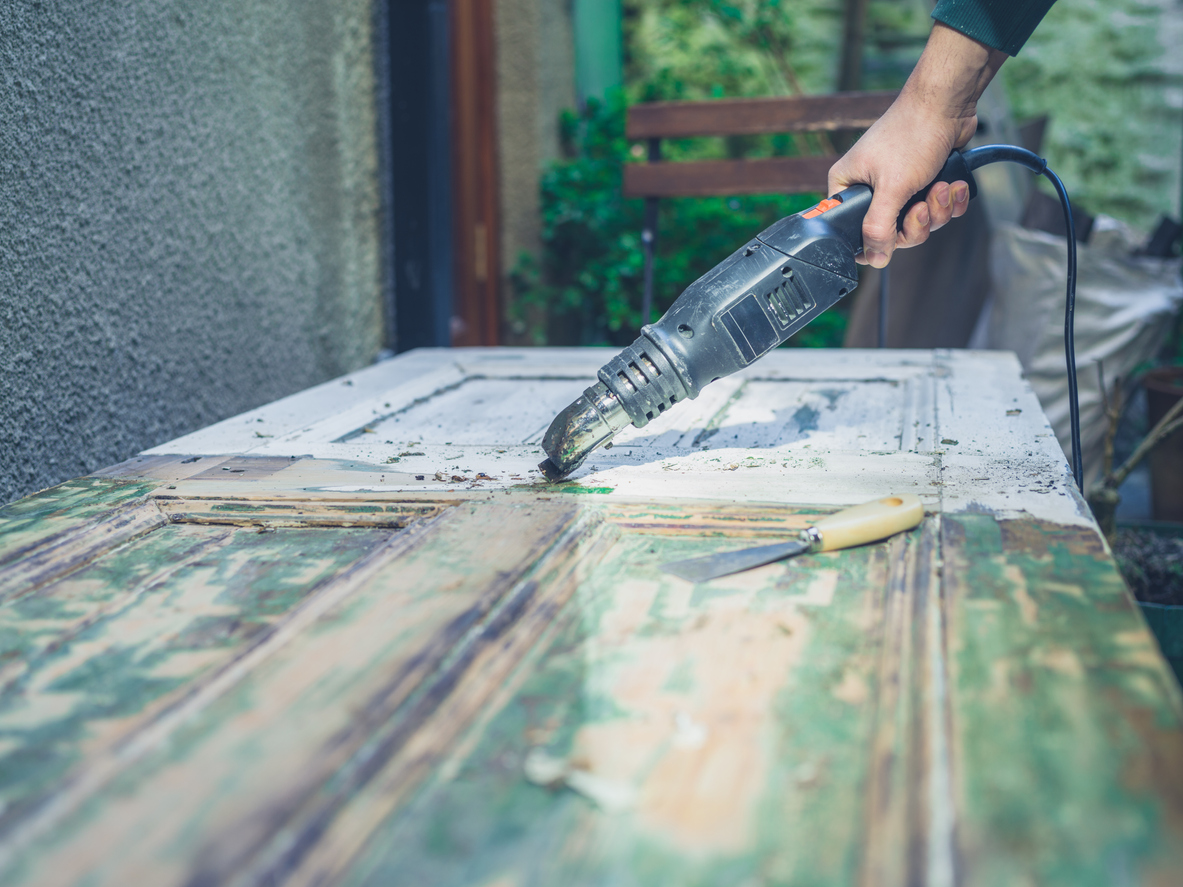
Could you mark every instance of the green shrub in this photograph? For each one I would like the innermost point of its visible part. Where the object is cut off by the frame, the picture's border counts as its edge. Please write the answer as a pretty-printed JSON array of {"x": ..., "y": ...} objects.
[{"x": 587, "y": 288}]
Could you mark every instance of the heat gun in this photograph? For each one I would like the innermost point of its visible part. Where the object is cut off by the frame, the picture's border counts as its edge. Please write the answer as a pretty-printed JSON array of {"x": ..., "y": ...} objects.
[{"x": 741, "y": 309}]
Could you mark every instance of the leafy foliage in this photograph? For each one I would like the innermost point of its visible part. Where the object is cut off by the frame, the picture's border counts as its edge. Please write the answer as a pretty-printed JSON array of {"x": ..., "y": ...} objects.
[
  {"x": 699, "y": 49},
  {"x": 587, "y": 289}
]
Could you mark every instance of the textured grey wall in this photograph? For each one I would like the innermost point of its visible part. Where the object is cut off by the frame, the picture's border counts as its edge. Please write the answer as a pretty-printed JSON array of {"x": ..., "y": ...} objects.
[{"x": 188, "y": 219}]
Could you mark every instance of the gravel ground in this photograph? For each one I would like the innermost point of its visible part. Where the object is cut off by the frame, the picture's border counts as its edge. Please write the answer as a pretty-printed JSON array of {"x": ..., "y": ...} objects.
[{"x": 1152, "y": 565}]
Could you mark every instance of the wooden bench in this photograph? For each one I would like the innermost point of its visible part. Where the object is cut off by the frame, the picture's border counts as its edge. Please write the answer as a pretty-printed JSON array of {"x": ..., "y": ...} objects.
[{"x": 734, "y": 117}]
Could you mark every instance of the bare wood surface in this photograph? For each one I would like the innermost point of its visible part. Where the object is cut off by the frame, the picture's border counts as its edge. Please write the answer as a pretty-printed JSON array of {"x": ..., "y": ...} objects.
[
  {"x": 259, "y": 511},
  {"x": 1042, "y": 634},
  {"x": 380, "y": 647},
  {"x": 808, "y": 113},
  {"x": 77, "y": 546},
  {"x": 704, "y": 178}
]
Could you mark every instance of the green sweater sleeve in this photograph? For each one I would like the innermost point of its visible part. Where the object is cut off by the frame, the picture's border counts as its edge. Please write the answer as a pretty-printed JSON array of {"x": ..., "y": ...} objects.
[{"x": 1000, "y": 24}]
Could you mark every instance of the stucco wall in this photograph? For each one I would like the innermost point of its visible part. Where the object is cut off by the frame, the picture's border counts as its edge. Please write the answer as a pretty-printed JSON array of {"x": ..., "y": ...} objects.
[{"x": 188, "y": 219}]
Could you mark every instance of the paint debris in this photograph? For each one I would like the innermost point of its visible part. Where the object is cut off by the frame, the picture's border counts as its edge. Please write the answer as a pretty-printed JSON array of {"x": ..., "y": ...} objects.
[
  {"x": 688, "y": 733},
  {"x": 948, "y": 441},
  {"x": 609, "y": 795},
  {"x": 1015, "y": 412}
]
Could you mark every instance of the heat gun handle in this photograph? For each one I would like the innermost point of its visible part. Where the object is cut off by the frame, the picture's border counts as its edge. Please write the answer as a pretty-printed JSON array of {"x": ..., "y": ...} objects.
[{"x": 954, "y": 170}]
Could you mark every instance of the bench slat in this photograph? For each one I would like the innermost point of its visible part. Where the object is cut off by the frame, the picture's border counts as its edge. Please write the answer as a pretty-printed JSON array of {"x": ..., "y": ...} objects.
[
  {"x": 811, "y": 113},
  {"x": 704, "y": 178}
]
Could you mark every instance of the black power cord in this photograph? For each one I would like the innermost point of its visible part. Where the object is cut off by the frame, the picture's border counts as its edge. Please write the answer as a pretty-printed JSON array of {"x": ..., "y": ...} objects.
[{"x": 979, "y": 157}]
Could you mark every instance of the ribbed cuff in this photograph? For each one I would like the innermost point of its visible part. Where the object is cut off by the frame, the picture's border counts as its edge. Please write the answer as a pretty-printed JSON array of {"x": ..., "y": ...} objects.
[{"x": 1000, "y": 24}]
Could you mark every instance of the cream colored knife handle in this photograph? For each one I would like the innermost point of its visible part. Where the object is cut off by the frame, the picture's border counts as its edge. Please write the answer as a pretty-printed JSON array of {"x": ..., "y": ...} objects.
[{"x": 869, "y": 522}]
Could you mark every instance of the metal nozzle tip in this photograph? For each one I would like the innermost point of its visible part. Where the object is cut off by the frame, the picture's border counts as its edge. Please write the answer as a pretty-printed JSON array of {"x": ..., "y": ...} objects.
[
  {"x": 551, "y": 471},
  {"x": 589, "y": 422}
]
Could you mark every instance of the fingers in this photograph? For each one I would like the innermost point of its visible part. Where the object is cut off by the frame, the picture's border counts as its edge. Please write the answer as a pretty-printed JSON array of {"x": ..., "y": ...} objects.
[
  {"x": 916, "y": 227},
  {"x": 960, "y": 198},
  {"x": 879, "y": 228},
  {"x": 947, "y": 202},
  {"x": 944, "y": 203}
]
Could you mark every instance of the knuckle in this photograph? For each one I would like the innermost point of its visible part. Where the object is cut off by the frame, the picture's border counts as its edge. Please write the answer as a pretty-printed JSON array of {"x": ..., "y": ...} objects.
[{"x": 878, "y": 232}]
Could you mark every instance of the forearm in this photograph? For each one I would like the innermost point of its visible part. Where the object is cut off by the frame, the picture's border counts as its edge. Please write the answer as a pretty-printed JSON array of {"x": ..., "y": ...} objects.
[
  {"x": 950, "y": 77},
  {"x": 904, "y": 150}
]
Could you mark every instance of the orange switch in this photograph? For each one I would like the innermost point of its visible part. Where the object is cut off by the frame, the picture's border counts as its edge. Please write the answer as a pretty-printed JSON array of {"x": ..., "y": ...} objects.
[{"x": 828, "y": 203}]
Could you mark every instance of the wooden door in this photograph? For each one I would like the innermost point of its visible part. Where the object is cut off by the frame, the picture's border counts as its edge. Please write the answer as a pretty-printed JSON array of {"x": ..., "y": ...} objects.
[
  {"x": 351, "y": 638},
  {"x": 476, "y": 309}
]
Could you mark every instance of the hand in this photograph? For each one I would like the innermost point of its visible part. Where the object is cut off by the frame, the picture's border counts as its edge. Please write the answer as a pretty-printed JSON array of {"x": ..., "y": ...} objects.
[{"x": 906, "y": 147}]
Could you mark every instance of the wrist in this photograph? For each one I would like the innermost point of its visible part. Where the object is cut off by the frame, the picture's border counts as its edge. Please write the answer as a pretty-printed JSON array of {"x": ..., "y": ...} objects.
[{"x": 951, "y": 75}]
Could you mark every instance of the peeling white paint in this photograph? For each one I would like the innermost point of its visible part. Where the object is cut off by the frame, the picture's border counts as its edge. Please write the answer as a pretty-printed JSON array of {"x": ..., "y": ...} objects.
[{"x": 962, "y": 429}]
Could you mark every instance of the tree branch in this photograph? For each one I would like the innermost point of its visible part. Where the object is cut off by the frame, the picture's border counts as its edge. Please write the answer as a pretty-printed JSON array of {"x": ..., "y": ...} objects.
[{"x": 1166, "y": 426}]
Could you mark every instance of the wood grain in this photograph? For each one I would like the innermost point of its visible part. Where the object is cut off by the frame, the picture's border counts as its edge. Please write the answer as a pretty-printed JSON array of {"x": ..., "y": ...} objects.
[
  {"x": 259, "y": 510},
  {"x": 704, "y": 178},
  {"x": 268, "y": 737},
  {"x": 47, "y": 518},
  {"x": 473, "y": 138},
  {"x": 311, "y": 670},
  {"x": 73, "y": 547},
  {"x": 809, "y": 113},
  {"x": 1066, "y": 725},
  {"x": 735, "y": 715}
]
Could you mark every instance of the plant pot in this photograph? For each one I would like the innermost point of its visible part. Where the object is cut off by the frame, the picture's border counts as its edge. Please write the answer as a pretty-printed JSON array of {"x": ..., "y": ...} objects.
[
  {"x": 1164, "y": 386},
  {"x": 1167, "y": 625}
]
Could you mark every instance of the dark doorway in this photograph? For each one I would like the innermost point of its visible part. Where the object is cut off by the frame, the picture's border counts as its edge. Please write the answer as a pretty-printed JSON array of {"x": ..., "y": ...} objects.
[
  {"x": 419, "y": 309},
  {"x": 442, "y": 179}
]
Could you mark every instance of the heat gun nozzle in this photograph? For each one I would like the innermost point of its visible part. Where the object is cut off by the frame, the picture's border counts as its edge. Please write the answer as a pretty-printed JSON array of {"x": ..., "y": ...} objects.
[
  {"x": 590, "y": 421},
  {"x": 550, "y": 470}
]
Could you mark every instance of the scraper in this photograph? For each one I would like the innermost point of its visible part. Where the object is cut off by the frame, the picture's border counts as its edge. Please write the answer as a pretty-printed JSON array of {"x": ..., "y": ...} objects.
[{"x": 859, "y": 525}]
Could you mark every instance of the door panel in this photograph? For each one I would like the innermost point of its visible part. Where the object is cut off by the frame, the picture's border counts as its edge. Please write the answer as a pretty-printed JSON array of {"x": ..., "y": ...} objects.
[
  {"x": 92, "y": 654},
  {"x": 496, "y": 412},
  {"x": 282, "y": 651}
]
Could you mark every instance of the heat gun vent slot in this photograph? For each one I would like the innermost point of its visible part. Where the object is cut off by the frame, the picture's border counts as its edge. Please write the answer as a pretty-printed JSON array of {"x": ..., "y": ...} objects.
[
  {"x": 789, "y": 301},
  {"x": 642, "y": 377}
]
